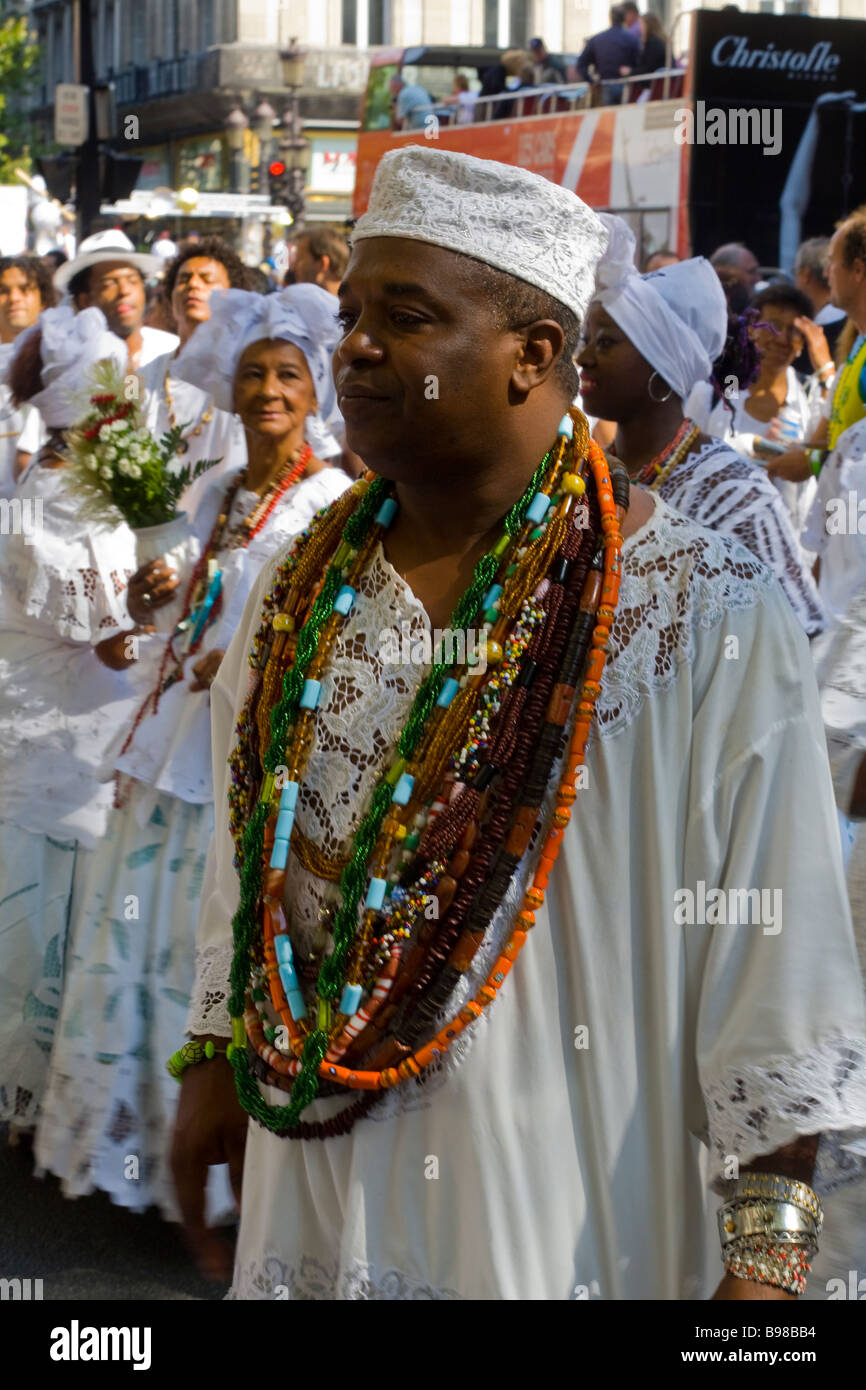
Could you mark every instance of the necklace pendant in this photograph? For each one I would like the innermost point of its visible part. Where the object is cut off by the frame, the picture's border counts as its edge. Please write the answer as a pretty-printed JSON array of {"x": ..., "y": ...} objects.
[{"x": 183, "y": 447}]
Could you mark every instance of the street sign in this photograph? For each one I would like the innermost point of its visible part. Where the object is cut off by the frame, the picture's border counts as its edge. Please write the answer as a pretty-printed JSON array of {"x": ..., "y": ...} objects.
[{"x": 71, "y": 113}]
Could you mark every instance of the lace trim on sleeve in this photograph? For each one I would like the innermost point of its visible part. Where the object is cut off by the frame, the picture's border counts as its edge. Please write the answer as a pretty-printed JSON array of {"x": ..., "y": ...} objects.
[
  {"x": 725, "y": 492},
  {"x": 753, "y": 1110},
  {"x": 208, "y": 1010}
]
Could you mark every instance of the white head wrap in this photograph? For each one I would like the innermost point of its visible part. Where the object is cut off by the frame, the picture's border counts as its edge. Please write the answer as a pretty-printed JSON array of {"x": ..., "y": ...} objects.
[
  {"x": 507, "y": 217},
  {"x": 305, "y": 315},
  {"x": 70, "y": 345},
  {"x": 677, "y": 318}
]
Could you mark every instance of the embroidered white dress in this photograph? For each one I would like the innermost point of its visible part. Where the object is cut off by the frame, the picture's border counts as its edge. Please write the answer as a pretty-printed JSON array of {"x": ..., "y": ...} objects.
[
  {"x": 718, "y": 488},
  {"x": 131, "y": 945},
  {"x": 554, "y": 1154},
  {"x": 62, "y": 588}
]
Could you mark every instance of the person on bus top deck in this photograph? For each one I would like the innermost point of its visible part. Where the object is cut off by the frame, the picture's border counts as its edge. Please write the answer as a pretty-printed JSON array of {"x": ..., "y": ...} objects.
[
  {"x": 556, "y": 1165},
  {"x": 410, "y": 103},
  {"x": 613, "y": 53}
]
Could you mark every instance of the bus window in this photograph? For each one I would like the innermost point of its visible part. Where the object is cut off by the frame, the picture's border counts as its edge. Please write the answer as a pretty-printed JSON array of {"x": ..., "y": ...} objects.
[{"x": 377, "y": 103}]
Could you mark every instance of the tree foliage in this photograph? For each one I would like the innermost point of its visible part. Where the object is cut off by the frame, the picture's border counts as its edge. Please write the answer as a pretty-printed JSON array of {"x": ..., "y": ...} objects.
[{"x": 19, "y": 72}]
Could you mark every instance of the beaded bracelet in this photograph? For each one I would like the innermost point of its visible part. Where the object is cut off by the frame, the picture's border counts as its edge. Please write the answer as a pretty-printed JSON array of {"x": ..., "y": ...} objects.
[
  {"x": 782, "y": 1268},
  {"x": 189, "y": 1055}
]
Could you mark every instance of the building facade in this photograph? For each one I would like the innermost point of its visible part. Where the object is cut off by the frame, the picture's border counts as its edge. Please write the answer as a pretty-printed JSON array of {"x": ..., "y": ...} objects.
[{"x": 179, "y": 67}]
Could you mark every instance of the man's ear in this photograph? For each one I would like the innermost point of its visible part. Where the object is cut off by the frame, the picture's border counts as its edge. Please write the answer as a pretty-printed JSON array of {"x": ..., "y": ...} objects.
[
  {"x": 541, "y": 347},
  {"x": 83, "y": 300}
]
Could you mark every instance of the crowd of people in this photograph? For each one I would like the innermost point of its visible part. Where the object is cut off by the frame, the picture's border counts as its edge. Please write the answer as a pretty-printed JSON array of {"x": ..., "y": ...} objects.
[{"x": 227, "y": 815}]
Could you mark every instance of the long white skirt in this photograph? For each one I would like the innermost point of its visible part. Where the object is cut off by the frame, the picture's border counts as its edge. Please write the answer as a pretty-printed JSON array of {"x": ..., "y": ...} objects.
[
  {"x": 110, "y": 1103},
  {"x": 38, "y": 878}
]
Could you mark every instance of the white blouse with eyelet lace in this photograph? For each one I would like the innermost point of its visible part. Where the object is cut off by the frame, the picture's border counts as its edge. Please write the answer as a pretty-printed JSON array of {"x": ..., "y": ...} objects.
[
  {"x": 62, "y": 592},
  {"x": 553, "y": 1151},
  {"x": 720, "y": 489}
]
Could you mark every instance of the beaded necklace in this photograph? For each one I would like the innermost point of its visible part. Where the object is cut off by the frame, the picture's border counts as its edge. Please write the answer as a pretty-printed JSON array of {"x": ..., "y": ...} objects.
[
  {"x": 664, "y": 463},
  {"x": 203, "y": 599},
  {"x": 206, "y": 416},
  {"x": 453, "y": 813}
]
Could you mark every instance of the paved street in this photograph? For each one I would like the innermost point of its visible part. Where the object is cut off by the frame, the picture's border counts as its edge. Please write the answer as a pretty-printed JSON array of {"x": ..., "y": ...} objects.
[{"x": 87, "y": 1249}]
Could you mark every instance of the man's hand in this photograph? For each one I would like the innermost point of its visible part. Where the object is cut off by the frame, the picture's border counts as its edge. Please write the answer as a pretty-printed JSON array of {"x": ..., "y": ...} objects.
[
  {"x": 150, "y": 588},
  {"x": 733, "y": 1290},
  {"x": 117, "y": 652},
  {"x": 816, "y": 343},
  {"x": 793, "y": 465},
  {"x": 204, "y": 671},
  {"x": 211, "y": 1128}
]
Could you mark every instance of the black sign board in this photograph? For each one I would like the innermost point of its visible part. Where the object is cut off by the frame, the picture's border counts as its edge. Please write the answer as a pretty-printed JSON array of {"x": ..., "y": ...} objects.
[{"x": 755, "y": 82}]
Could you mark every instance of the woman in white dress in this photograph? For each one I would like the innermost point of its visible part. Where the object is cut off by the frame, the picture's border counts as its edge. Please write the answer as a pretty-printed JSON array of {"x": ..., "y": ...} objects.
[
  {"x": 62, "y": 587},
  {"x": 647, "y": 341},
  {"x": 110, "y": 1102}
]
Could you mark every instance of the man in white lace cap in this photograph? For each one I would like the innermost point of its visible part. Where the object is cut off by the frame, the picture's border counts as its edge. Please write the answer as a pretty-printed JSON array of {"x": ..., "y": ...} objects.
[
  {"x": 649, "y": 340},
  {"x": 560, "y": 1128}
]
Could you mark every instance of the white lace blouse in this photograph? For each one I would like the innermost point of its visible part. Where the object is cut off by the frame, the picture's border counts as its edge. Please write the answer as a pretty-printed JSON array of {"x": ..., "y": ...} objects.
[
  {"x": 62, "y": 591},
  {"x": 718, "y": 488},
  {"x": 552, "y": 1152}
]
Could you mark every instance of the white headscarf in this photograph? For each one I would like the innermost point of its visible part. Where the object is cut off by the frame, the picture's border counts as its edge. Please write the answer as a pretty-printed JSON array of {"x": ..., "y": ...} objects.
[
  {"x": 305, "y": 315},
  {"x": 70, "y": 345},
  {"x": 677, "y": 318}
]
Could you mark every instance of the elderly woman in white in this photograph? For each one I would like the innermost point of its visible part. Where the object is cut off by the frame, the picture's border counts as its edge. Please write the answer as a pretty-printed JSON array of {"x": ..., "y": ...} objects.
[
  {"x": 110, "y": 1102},
  {"x": 62, "y": 585}
]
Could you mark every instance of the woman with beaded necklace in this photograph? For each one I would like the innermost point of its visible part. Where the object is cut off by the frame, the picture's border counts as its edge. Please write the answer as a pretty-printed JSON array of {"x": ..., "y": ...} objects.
[
  {"x": 444, "y": 972},
  {"x": 131, "y": 944},
  {"x": 648, "y": 340}
]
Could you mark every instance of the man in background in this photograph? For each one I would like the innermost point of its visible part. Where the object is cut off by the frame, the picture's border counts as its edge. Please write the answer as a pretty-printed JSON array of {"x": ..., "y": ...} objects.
[
  {"x": 25, "y": 290},
  {"x": 110, "y": 274},
  {"x": 321, "y": 255},
  {"x": 611, "y": 54}
]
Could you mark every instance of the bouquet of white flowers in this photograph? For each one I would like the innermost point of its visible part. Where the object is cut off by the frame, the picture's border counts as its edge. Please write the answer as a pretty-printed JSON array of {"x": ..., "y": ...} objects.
[{"x": 116, "y": 467}]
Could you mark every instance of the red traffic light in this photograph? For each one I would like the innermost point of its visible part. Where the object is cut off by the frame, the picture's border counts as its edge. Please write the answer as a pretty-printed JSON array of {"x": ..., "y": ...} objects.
[{"x": 276, "y": 169}]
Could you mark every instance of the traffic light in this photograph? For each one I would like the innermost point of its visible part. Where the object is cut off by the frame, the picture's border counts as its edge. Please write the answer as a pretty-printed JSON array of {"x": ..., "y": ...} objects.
[
  {"x": 58, "y": 171},
  {"x": 278, "y": 182},
  {"x": 119, "y": 175}
]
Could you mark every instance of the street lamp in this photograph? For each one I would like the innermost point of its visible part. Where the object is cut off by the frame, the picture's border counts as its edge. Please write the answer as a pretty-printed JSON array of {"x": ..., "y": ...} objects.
[
  {"x": 263, "y": 124},
  {"x": 294, "y": 149},
  {"x": 236, "y": 126},
  {"x": 292, "y": 64}
]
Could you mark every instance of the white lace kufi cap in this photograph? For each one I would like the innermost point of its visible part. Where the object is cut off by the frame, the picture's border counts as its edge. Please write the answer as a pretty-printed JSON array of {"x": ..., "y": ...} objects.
[
  {"x": 507, "y": 217},
  {"x": 677, "y": 317},
  {"x": 305, "y": 315},
  {"x": 70, "y": 345}
]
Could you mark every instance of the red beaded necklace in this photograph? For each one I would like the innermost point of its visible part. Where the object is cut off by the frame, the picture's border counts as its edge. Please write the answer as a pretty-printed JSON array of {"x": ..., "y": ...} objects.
[{"x": 655, "y": 465}]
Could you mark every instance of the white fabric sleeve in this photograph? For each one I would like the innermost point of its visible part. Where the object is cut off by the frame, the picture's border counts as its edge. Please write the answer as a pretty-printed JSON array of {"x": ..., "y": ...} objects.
[
  {"x": 780, "y": 1026},
  {"x": 34, "y": 433},
  {"x": 208, "y": 1011}
]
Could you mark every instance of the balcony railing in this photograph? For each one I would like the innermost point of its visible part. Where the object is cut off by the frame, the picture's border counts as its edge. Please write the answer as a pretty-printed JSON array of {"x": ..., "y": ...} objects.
[{"x": 162, "y": 78}]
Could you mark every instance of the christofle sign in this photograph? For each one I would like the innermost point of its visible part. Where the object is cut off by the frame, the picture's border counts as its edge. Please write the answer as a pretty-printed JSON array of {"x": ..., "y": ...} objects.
[{"x": 734, "y": 51}]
